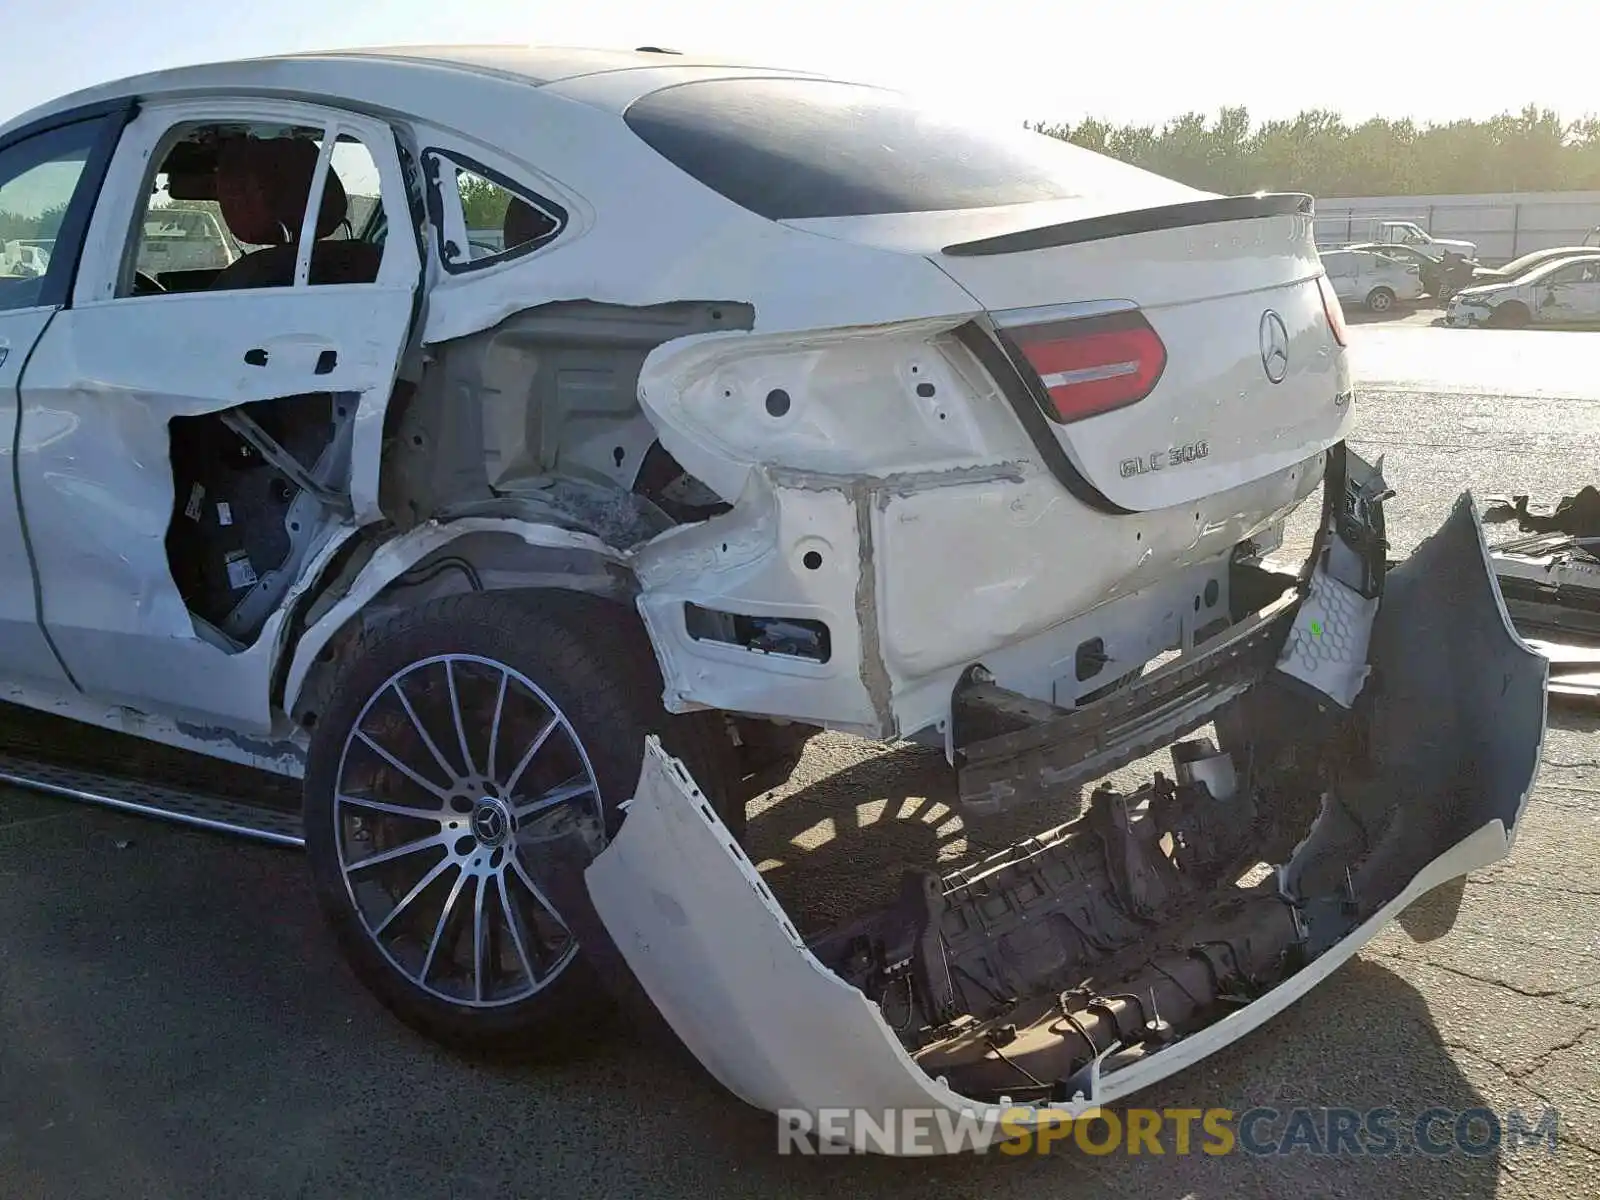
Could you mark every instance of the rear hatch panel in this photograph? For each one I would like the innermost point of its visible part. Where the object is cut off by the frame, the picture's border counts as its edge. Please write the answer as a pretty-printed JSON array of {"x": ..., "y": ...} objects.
[{"x": 1251, "y": 379}]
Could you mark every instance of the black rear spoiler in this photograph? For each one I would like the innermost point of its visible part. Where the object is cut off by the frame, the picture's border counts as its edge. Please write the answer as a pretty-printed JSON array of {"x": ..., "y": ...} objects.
[{"x": 1139, "y": 220}]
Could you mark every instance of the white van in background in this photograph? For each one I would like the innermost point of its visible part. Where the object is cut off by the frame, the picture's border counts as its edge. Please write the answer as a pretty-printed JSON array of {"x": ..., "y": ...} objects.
[{"x": 1345, "y": 231}]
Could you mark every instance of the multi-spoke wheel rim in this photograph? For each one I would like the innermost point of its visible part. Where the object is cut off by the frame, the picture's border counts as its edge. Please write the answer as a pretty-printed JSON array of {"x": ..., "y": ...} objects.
[{"x": 455, "y": 773}]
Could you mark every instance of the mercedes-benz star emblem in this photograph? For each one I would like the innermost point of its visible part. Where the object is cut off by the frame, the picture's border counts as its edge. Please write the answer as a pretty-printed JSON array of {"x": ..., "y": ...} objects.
[
  {"x": 1274, "y": 346},
  {"x": 489, "y": 823}
]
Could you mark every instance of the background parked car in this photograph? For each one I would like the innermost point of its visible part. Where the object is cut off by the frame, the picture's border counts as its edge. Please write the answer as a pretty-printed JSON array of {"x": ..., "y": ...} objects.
[
  {"x": 1565, "y": 292},
  {"x": 1440, "y": 280},
  {"x": 184, "y": 239},
  {"x": 1519, "y": 267},
  {"x": 1374, "y": 280}
]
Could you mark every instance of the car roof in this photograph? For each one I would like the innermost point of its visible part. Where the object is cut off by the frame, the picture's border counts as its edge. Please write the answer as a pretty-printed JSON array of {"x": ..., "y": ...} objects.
[
  {"x": 1556, "y": 252},
  {"x": 329, "y": 71},
  {"x": 1546, "y": 268}
]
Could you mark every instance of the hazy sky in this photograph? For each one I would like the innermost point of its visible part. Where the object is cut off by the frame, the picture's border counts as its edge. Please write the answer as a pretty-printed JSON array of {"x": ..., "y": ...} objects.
[{"x": 1127, "y": 60}]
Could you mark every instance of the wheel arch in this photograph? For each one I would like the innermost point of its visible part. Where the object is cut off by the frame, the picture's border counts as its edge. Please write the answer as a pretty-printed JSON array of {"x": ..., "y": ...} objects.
[{"x": 435, "y": 559}]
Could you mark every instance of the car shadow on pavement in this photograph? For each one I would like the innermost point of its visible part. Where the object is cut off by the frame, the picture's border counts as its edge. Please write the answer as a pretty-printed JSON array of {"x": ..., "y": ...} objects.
[
  {"x": 1401, "y": 312},
  {"x": 839, "y": 843}
]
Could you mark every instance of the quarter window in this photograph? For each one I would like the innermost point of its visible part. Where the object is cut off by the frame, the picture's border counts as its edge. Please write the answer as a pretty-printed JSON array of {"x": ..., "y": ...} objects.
[{"x": 483, "y": 218}]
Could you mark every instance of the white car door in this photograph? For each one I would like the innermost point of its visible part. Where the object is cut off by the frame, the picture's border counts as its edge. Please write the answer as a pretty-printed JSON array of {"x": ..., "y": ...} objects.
[
  {"x": 1559, "y": 297},
  {"x": 1394, "y": 274},
  {"x": 128, "y": 375},
  {"x": 1341, "y": 268},
  {"x": 1585, "y": 295},
  {"x": 1371, "y": 272},
  {"x": 48, "y": 180},
  {"x": 1366, "y": 265}
]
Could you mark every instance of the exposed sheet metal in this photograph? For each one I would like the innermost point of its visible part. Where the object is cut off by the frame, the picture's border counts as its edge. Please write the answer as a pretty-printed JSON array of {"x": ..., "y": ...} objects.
[{"x": 398, "y": 555}]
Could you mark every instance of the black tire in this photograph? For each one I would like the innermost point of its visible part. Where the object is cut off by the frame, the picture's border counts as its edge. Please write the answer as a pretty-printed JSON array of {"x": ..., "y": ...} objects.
[
  {"x": 1513, "y": 314},
  {"x": 1380, "y": 300},
  {"x": 593, "y": 660}
]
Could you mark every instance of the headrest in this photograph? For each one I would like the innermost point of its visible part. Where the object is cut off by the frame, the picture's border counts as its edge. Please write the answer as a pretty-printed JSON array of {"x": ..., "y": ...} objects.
[
  {"x": 523, "y": 223},
  {"x": 262, "y": 185}
]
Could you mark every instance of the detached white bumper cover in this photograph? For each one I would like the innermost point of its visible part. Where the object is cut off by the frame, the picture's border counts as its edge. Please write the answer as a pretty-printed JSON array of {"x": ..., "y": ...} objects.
[{"x": 726, "y": 968}]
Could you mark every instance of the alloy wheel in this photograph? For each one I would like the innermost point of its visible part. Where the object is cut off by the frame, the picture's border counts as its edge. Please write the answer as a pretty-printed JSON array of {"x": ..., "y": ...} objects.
[{"x": 457, "y": 771}]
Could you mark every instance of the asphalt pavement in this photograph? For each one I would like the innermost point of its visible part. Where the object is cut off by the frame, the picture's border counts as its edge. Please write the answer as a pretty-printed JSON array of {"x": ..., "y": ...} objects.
[{"x": 175, "y": 1022}]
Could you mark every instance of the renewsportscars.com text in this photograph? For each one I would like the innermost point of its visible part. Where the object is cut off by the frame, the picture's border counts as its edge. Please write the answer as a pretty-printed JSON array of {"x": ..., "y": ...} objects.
[{"x": 1347, "y": 1132}]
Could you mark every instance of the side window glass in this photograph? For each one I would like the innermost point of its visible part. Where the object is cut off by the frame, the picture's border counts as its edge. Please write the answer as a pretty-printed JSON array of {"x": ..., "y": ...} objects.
[
  {"x": 38, "y": 179},
  {"x": 483, "y": 218},
  {"x": 352, "y": 204},
  {"x": 352, "y": 164},
  {"x": 226, "y": 210}
]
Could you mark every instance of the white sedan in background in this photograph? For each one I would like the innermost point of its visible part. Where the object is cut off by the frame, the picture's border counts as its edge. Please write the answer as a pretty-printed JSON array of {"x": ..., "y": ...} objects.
[
  {"x": 1371, "y": 279},
  {"x": 1565, "y": 292}
]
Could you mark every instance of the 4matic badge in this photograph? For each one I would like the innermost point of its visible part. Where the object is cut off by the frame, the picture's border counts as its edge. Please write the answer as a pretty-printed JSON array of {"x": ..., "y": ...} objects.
[{"x": 1160, "y": 460}]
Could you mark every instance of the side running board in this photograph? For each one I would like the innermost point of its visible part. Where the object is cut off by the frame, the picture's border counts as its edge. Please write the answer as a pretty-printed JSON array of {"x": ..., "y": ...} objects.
[{"x": 270, "y": 825}]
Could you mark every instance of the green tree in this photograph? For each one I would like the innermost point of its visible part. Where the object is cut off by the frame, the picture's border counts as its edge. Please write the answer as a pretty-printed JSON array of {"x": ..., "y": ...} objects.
[
  {"x": 44, "y": 225},
  {"x": 483, "y": 204},
  {"x": 1317, "y": 152}
]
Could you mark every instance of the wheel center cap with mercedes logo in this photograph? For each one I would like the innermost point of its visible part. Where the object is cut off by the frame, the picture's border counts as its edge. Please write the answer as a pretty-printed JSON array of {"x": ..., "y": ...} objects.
[
  {"x": 1274, "y": 346},
  {"x": 491, "y": 822}
]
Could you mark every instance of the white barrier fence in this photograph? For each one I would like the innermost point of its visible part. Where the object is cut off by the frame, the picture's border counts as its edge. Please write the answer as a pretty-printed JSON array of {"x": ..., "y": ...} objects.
[{"x": 1503, "y": 225}]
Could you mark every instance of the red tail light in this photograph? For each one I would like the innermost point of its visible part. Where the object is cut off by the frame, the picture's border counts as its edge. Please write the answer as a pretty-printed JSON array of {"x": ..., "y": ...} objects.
[
  {"x": 1332, "y": 309},
  {"x": 1094, "y": 364}
]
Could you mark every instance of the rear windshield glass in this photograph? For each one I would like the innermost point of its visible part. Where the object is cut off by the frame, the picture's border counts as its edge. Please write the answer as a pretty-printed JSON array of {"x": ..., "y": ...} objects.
[{"x": 790, "y": 149}]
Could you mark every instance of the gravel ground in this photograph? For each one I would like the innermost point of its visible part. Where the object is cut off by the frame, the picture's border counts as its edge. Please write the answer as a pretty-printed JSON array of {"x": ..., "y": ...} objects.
[{"x": 174, "y": 1021}]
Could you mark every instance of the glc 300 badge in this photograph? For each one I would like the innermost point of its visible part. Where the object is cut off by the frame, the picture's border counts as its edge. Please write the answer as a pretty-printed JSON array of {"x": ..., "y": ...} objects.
[{"x": 1174, "y": 456}]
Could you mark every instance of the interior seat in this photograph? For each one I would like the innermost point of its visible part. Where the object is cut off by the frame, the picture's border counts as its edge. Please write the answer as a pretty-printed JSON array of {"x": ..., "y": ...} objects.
[{"x": 262, "y": 186}]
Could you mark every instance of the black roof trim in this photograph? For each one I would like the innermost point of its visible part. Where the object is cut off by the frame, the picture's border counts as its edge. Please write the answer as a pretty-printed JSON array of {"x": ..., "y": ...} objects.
[{"x": 127, "y": 106}]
